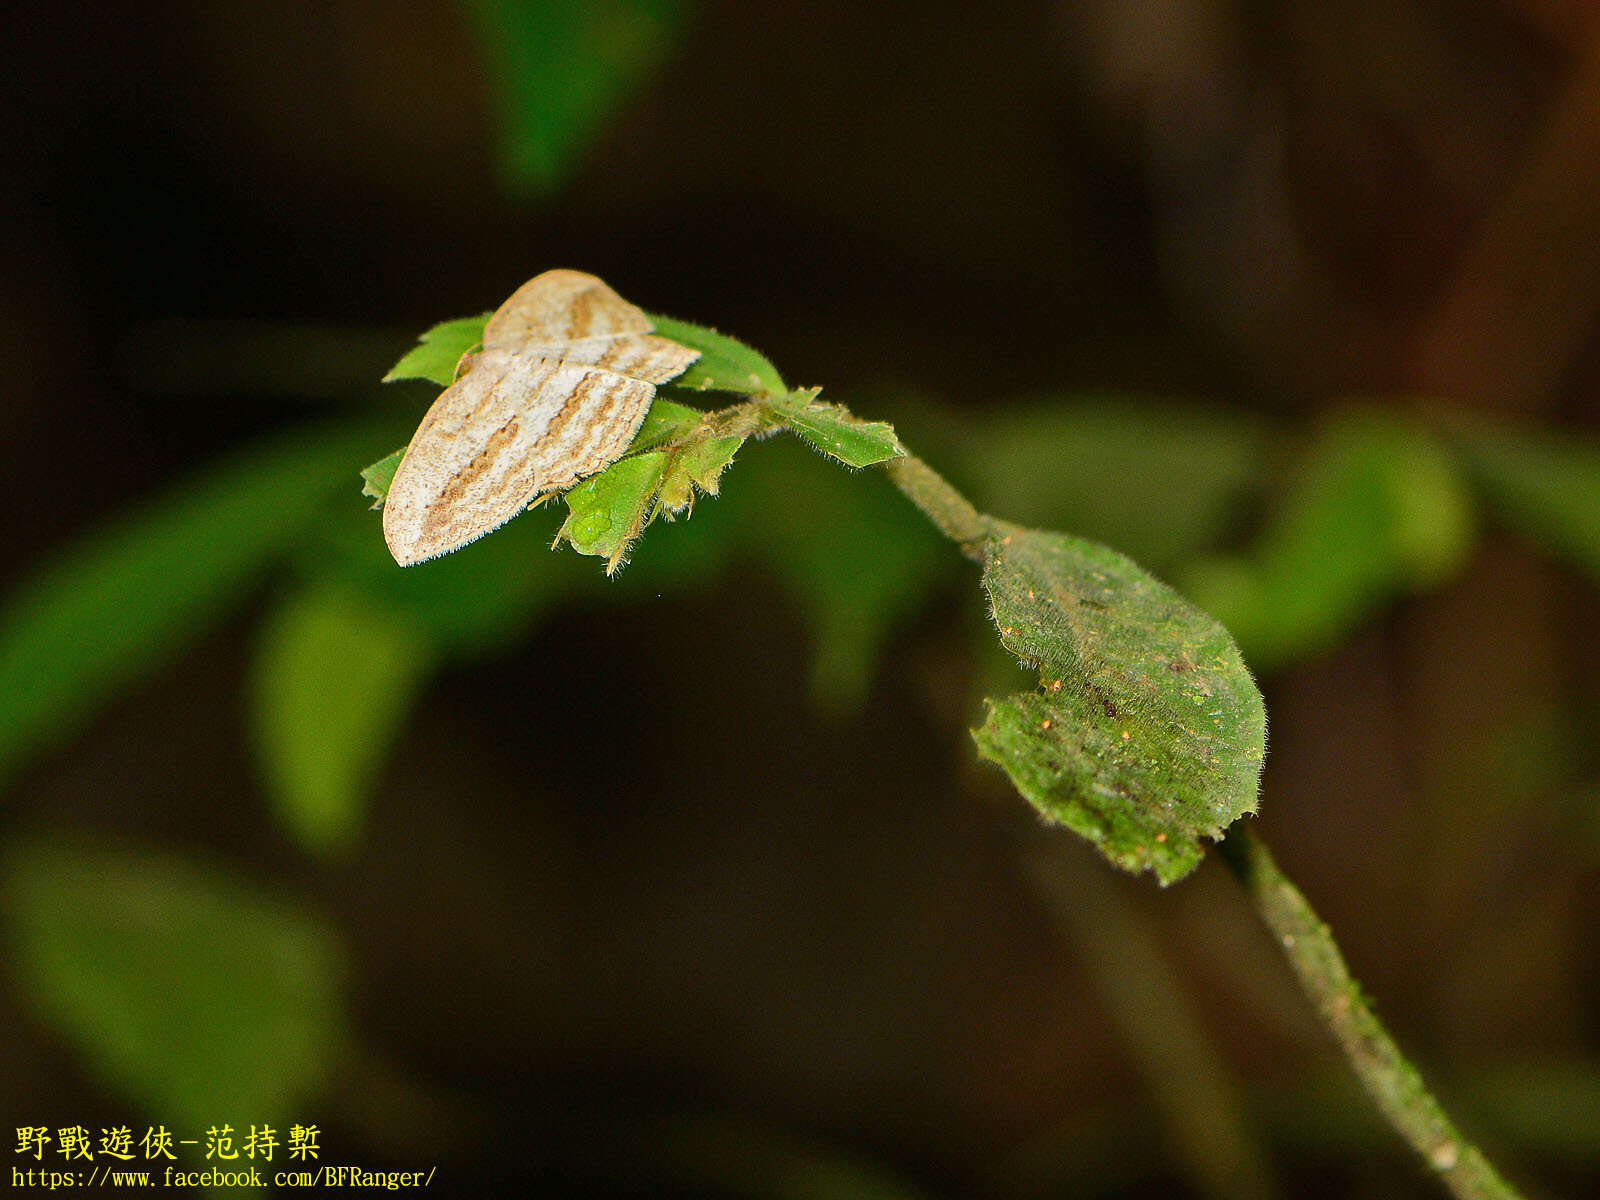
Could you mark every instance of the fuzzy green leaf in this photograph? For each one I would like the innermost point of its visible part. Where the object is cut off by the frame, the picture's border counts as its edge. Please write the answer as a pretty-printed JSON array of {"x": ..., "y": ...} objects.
[
  {"x": 695, "y": 461},
  {"x": 188, "y": 991},
  {"x": 724, "y": 365},
  {"x": 696, "y": 465},
  {"x": 666, "y": 421},
  {"x": 832, "y": 429},
  {"x": 439, "y": 350},
  {"x": 379, "y": 477},
  {"x": 610, "y": 509},
  {"x": 132, "y": 592},
  {"x": 334, "y": 677},
  {"x": 1148, "y": 732}
]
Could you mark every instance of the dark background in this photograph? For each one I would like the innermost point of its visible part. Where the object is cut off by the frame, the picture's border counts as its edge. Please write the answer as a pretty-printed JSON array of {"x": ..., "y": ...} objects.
[{"x": 632, "y": 914}]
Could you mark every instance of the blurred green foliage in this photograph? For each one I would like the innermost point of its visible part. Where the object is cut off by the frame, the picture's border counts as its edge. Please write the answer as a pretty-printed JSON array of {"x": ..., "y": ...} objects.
[
  {"x": 1374, "y": 508},
  {"x": 723, "y": 1156},
  {"x": 335, "y": 673},
  {"x": 188, "y": 990},
  {"x": 1543, "y": 484},
  {"x": 559, "y": 68},
  {"x": 1375, "y": 504},
  {"x": 129, "y": 595},
  {"x": 1099, "y": 465}
]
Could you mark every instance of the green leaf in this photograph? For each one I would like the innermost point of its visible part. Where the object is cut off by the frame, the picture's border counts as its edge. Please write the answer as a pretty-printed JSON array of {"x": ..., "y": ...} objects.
[
  {"x": 559, "y": 69},
  {"x": 334, "y": 677},
  {"x": 1545, "y": 485},
  {"x": 1377, "y": 508},
  {"x": 695, "y": 465},
  {"x": 469, "y": 604},
  {"x": 438, "y": 351},
  {"x": 832, "y": 429},
  {"x": 724, "y": 365},
  {"x": 1148, "y": 732},
  {"x": 696, "y": 461},
  {"x": 665, "y": 422},
  {"x": 187, "y": 990},
  {"x": 379, "y": 477},
  {"x": 126, "y": 596},
  {"x": 610, "y": 509}
]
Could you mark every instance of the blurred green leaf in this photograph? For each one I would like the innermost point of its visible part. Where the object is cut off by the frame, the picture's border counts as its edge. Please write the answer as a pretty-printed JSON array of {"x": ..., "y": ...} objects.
[
  {"x": 476, "y": 601},
  {"x": 561, "y": 68},
  {"x": 1546, "y": 486},
  {"x": 1148, "y": 732},
  {"x": 333, "y": 680},
  {"x": 854, "y": 555},
  {"x": 610, "y": 509},
  {"x": 127, "y": 595},
  {"x": 439, "y": 350},
  {"x": 1377, "y": 508},
  {"x": 725, "y": 364},
  {"x": 217, "y": 356},
  {"x": 381, "y": 632},
  {"x": 377, "y": 479},
  {"x": 1160, "y": 481},
  {"x": 187, "y": 990},
  {"x": 833, "y": 430}
]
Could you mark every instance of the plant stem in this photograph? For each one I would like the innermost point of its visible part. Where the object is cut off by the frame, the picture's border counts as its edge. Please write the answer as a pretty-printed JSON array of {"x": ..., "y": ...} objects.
[
  {"x": 950, "y": 511},
  {"x": 1393, "y": 1083}
]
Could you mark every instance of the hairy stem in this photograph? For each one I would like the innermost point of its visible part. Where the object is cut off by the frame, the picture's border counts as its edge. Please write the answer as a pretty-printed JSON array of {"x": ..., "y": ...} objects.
[
  {"x": 1393, "y": 1083},
  {"x": 950, "y": 511}
]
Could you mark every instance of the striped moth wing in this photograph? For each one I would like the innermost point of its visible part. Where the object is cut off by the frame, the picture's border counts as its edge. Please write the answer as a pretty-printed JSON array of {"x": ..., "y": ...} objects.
[
  {"x": 560, "y": 307},
  {"x": 565, "y": 377}
]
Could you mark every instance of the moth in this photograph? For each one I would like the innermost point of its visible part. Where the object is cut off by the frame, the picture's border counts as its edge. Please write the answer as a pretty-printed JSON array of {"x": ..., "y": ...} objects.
[{"x": 564, "y": 376}]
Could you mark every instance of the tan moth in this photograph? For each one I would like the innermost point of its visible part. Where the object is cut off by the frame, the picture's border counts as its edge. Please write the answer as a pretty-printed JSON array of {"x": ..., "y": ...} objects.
[{"x": 561, "y": 384}]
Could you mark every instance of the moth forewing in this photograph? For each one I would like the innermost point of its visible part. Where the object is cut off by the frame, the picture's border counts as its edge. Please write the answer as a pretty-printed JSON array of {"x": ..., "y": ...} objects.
[
  {"x": 512, "y": 427},
  {"x": 436, "y": 501}
]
